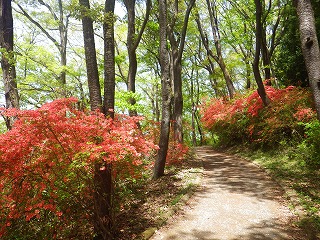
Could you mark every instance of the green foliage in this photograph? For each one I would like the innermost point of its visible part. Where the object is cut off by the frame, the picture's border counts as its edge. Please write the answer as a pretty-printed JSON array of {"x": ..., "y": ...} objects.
[
  {"x": 313, "y": 142},
  {"x": 123, "y": 101}
]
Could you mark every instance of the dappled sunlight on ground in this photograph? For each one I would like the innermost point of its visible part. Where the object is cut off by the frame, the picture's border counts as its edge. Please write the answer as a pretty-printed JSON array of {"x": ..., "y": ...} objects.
[{"x": 237, "y": 200}]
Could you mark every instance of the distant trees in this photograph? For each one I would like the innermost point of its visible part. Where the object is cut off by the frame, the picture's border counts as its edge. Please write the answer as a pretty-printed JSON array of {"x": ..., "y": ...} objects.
[{"x": 58, "y": 21}]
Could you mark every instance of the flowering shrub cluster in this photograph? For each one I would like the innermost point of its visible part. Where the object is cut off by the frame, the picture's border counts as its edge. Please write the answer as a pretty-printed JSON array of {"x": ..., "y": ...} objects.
[
  {"x": 245, "y": 119},
  {"x": 46, "y": 167},
  {"x": 177, "y": 152}
]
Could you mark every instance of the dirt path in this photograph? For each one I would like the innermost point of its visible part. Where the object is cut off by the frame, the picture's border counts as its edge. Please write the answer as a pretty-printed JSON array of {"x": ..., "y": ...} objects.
[{"x": 237, "y": 200}]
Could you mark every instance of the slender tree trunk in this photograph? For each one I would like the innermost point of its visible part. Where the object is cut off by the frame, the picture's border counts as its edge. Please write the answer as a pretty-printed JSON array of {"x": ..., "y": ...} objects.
[
  {"x": 193, "y": 110},
  {"x": 261, "y": 90},
  {"x": 91, "y": 58},
  {"x": 63, "y": 29},
  {"x": 166, "y": 93},
  {"x": 310, "y": 47},
  {"x": 219, "y": 58},
  {"x": 133, "y": 41},
  {"x": 130, "y": 5},
  {"x": 7, "y": 60},
  {"x": 248, "y": 73},
  {"x": 265, "y": 57},
  {"x": 177, "y": 46}
]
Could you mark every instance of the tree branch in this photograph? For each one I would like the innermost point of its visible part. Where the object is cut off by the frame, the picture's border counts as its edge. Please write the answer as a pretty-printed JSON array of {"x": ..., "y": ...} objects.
[{"x": 39, "y": 26}]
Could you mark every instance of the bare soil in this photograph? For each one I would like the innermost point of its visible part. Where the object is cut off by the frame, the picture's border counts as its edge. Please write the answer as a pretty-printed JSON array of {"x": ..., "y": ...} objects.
[{"x": 150, "y": 203}]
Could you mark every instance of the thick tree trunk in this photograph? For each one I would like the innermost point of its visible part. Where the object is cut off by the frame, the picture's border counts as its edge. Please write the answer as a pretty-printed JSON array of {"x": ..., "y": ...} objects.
[
  {"x": 261, "y": 90},
  {"x": 177, "y": 88},
  {"x": 103, "y": 172},
  {"x": 310, "y": 47},
  {"x": 7, "y": 60},
  {"x": 103, "y": 189},
  {"x": 91, "y": 58},
  {"x": 109, "y": 60},
  {"x": 166, "y": 93}
]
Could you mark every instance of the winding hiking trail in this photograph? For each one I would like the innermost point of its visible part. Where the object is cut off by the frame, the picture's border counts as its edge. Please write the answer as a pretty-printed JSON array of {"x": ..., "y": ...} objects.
[{"x": 236, "y": 200}]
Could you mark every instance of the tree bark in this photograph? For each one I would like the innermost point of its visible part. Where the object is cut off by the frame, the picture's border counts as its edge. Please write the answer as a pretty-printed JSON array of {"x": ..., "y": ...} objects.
[
  {"x": 103, "y": 182},
  {"x": 7, "y": 60},
  {"x": 166, "y": 93},
  {"x": 219, "y": 58},
  {"x": 261, "y": 90},
  {"x": 91, "y": 58},
  {"x": 177, "y": 46},
  {"x": 109, "y": 59},
  {"x": 310, "y": 47},
  {"x": 133, "y": 41}
]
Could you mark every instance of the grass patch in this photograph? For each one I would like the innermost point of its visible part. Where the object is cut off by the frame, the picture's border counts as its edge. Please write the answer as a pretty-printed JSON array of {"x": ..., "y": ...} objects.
[{"x": 289, "y": 167}]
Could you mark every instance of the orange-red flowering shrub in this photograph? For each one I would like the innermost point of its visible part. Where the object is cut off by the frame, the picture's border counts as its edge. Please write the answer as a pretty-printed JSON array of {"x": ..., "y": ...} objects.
[
  {"x": 177, "y": 152},
  {"x": 245, "y": 119},
  {"x": 46, "y": 168}
]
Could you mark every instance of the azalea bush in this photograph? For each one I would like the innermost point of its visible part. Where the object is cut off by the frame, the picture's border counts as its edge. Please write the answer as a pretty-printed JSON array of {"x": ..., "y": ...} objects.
[
  {"x": 177, "y": 152},
  {"x": 246, "y": 120},
  {"x": 47, "y": 164}
]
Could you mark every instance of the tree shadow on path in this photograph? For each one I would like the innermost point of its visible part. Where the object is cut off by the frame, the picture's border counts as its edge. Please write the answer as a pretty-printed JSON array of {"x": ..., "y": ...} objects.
[{"x": 237, "y": 200}]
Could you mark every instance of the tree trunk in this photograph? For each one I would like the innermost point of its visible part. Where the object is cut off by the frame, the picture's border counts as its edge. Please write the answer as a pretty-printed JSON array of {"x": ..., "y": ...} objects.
[
  {"x": 166, "y": 93},
  {"x": 177, "y": 46},
  {"x": 177, "y": 87},
  {"x": 91, "y": 58},
  {"x": 109, "y": 60},
  {"x": 310, "y": 47},
  {"x": 219, "y": 58},
  {"x": 63, "y": 29},
  {"x": 7, "y": 60},
  {"x": 103, "y": 172},
  {"x": 265, "y": 57},
  {"x": 261, "y": 90},
  {"x": 103, "y": 189},
  {"x": 133, "y": 41}
]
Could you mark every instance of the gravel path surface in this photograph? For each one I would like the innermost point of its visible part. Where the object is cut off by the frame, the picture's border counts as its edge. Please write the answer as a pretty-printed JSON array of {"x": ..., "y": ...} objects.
[{"x": 237, "y": 200}]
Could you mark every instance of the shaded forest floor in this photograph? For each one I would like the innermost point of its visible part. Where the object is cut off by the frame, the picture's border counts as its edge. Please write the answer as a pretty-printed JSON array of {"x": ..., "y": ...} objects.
[
  {"x": 149, "y": 203},
  {"x": 300, "y": 181},
  {"x": 236, "y": 200}
]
